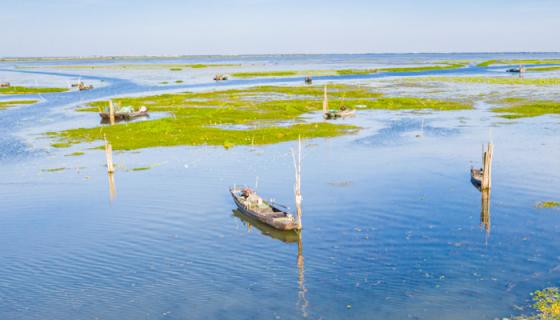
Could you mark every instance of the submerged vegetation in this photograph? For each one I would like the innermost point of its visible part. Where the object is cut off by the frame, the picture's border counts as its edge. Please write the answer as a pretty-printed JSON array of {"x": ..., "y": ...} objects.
[
  {"x": 259, "y": 115},
  {"x": 544, "y": 69},
  {"x": 522, "y": 108},
  {"x": 30, "y": 90},
  {"x": 15, "y": 103}
]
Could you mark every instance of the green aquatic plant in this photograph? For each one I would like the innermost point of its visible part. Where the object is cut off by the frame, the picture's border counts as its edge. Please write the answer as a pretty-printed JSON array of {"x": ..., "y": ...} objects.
[
  {"x": 133, "y": 66},
  {"x": 543, "y": 69},
  {"x": 175, "y": 69},
  {"x": 14, "y": 103},
  {"x": 30, "y": 90},
  {"x": 256, "y": 74},
  {"x": 208, "y": 118},
  {"x": 424, "y": 68},
  {"x": 74, "y": 154},
  {"x": 178, "y": 81},
  {"x": 53, "y": 169},
  {"x": 522, "y": 108},
  {"x": 548, "y": 204}
]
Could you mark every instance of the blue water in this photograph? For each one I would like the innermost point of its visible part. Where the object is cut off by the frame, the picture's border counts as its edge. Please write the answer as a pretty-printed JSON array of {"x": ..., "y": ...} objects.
[{"x": 392, "y": 225}]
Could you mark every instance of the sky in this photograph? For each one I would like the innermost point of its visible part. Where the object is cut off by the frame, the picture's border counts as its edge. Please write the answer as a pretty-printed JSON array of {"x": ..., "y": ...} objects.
[{"x": 191, "y": 27}]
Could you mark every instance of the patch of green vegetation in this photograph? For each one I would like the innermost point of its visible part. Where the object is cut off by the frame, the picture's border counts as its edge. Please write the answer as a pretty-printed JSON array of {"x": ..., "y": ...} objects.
[
  {"x": 355, "y": 71},
  {"x": 75, "y": 154},
  {"x": 492, "y": 80},
  {"x": 289, "y": 73},
  {"x": 546, "y": 304},
  {"x": 256, "y": 74},
  {"x": 424, "y": 68},
  {"x": 548, "y": 204},
  {"x": 211, "y": 118},
  {"x": 13, "y": 103},
  {"x": 53, "y": 169},
  {"x": 175, "y": 69},
  {"x": 523, "y": 108},
  {"x": 518, "y": 61},
  {"x": 179, "y": 81},
  {"x": 141, "y": 169},
  {"x": 29, "y": 90},
  {"x": 164, "y": 82},
  {"x": 60, "y": 145},
  {"x": 543, "y": 69}
]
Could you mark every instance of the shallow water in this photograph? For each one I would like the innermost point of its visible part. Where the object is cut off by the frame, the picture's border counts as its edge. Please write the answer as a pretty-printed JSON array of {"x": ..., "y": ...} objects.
[{"x": 392, "y": 225}]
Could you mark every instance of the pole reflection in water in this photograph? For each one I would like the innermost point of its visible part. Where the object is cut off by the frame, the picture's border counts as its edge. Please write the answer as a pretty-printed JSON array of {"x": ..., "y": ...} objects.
[
  {"x": 112, "y": 188},
  {"x": 302, "y": 290},
  {"x": 485, "y": 211},
  {"x": 286, "y": 237}
]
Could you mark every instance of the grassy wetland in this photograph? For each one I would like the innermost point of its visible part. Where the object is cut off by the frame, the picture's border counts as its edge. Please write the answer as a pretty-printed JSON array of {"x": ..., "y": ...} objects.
[
  {"x": 205, "y": 118},
  {"x": 15, "y": 103},
  {"x": 393, "y": 228},
  {"x": 30, "y": 90},
  {"x": 341, "y": 72}
]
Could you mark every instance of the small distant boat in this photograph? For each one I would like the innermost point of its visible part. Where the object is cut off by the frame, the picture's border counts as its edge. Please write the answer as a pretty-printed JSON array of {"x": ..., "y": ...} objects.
[
  {"x": 343, "y": 112},
  {"x": 81, "y": 86},
  {"x": 125, "y": 114},
  {"x": 476, "y": 177},
  {"x": 4, "y": 84},
  {"x": 221, "y": 77},
  {"x": 272, "y": 214},
  {"x": 308, "y": 80},
  {"x": 517, "y": 70}
]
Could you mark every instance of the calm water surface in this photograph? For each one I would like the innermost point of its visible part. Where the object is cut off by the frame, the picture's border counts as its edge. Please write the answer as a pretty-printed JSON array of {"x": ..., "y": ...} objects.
[{"x": 392, "y": 225}]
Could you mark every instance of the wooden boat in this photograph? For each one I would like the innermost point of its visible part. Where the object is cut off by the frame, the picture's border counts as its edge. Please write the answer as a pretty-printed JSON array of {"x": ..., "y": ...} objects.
[
  {"x": 517, "y": 70},
  {"x": 343, "y": 112},
  {"x": 308, "y": 80},
  {"x": 476, "y": 177},
  {"x": 252, "y": 205},
  {"x": 124, "y": 116},
  {"x": 221, "y": 77},
  {"x": 4, "y": 84},
  {"x": 82, "y": 86}
]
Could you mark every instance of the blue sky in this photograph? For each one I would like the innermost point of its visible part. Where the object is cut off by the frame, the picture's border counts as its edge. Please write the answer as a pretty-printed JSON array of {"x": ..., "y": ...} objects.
[{"x": 173, "y": 27}]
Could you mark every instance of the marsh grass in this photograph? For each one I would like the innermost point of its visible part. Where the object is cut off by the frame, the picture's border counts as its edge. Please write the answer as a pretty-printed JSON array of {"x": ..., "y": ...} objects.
[
  {"x": 202, "y": 118},
  {"x": 15, "y": 103},
  {"x": 293, "y": 73},
  {"x": 544, "y": 69},
  {"x": 132, "y": 66},
  {"x": 30, "y": 90},
  {"x": 522, "y": 108},
  {"x": 518, "y": 61},
  {"x": 548, "y": 204}
]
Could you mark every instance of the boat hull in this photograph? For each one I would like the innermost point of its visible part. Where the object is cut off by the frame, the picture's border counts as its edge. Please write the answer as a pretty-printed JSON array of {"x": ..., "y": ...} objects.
[{"x": 263, "y": 217}]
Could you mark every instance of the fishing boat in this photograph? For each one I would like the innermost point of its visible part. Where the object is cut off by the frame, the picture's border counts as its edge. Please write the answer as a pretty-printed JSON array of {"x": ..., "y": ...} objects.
[
  {"x": 269, "y": 213},
  {"x": 343, "y": 112},
  {"x": 476, "y": 177},
  {"x": 4, "y": 84},
  {"x": 82, "y": 86},
  {"x": 308, "y": 80},
  {"x": 517, "y": 70},
  {"x": 221, "y": 77},
  {"x": 124, "y": 114}
]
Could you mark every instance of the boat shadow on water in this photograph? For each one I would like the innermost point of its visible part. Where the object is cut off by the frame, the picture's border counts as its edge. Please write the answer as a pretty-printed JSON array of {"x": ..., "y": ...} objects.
[{"x": 288, "y": 236}]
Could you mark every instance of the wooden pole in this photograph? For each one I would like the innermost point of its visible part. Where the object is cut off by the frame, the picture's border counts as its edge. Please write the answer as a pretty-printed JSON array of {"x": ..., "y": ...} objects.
[
  {"x": 297, "y": 185},
  {"x": 112, "y": 188},
  {"x": 325, "y": 101},
  {"x": 111, "y": 113},
  {"x": 109, "y": 157},
  {"x": 485, "y": 210},
  {"x": 487, "y": 167}
]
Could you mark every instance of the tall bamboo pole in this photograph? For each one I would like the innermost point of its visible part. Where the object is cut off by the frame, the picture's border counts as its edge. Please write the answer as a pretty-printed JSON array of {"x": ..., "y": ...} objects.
[
  {"x": 111, "y": 113},
  {"x": 297, "y": 185},
  {"x": 325, "y": 101},
  {"x": 487, "y": 167}
]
